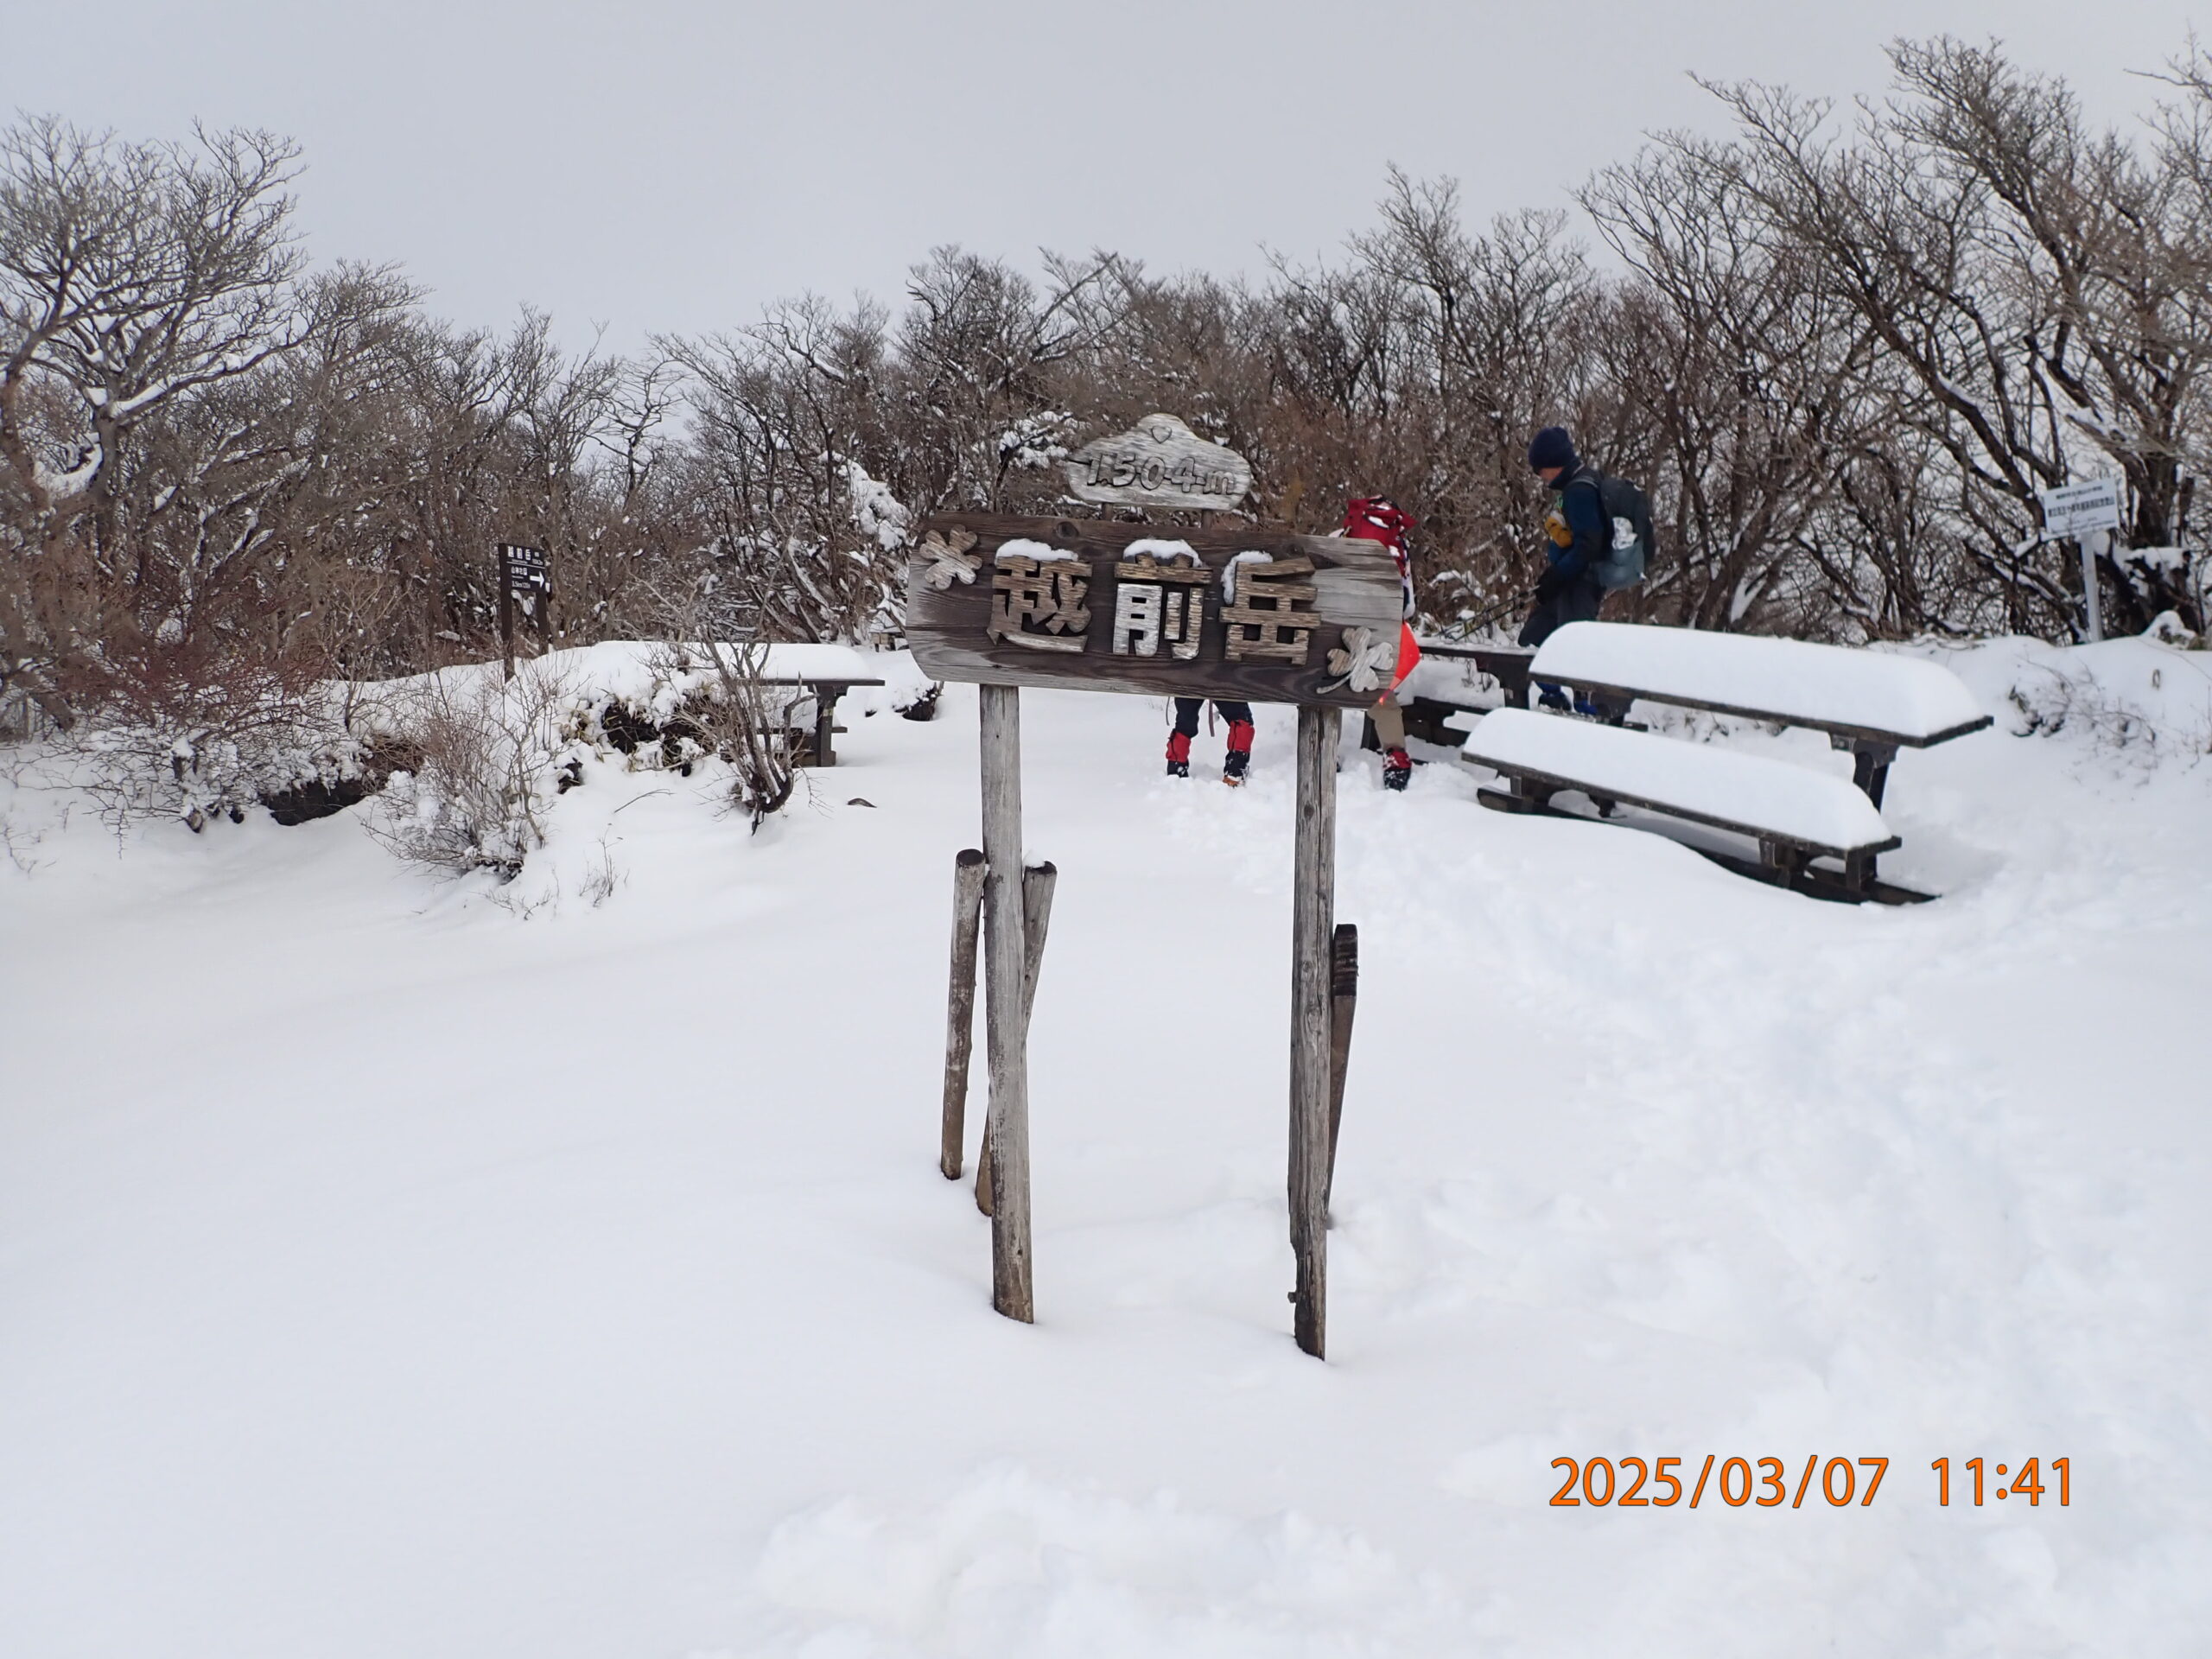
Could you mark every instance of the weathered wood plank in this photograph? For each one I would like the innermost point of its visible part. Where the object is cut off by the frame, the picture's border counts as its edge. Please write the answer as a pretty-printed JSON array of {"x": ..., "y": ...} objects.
[
  {"x": 1343, "y": 1003},
  {"x": 1624, "y": 694},
  {"x": 1529, "y": 783},
  {"x": 1312, "y": 905},
  {"x": 1354, "y": 584},
  {"x": 1005, "y": 962},
  {"x": 1038, "y": 882},
  {"x": 960, "y": 1007},
  {"x": 1811, "y": 880}
]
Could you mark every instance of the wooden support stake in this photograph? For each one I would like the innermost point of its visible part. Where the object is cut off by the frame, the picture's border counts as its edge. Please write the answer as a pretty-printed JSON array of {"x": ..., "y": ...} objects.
[
  {"x": 507, "y": 613},
  {"x": 1344, "y": 1002},
  {"x": 1037, "y": 884},
  {"x": 1005, "y": 962},
  {"x": 960, "y": 1006},
  {"x": 1312, "y": 911}
]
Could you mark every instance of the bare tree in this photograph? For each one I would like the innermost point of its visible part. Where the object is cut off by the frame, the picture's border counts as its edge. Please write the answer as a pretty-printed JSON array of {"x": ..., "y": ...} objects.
[{"x": 131, "y": 275}]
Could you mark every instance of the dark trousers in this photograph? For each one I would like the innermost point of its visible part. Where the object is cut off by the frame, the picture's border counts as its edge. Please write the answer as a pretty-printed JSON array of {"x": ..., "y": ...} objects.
[
  {"x": 1186, "y": 714},
  {"x": 1558, "y": 603}
]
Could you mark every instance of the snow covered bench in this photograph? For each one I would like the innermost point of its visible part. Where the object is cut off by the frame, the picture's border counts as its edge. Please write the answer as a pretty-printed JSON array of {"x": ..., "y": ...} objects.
[
  {"x": 1435, "y": 696},
  {"x": 1794, "y": 815},
  {"x": 1870, "y": 702}
]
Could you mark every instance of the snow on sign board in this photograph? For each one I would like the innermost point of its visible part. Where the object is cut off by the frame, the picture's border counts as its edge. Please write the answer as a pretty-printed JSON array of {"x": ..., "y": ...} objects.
[
  {"x": 2076, "y": 509},
  {"x": 1159, "y": 463},
  {"x": 1253, "y": 613}
]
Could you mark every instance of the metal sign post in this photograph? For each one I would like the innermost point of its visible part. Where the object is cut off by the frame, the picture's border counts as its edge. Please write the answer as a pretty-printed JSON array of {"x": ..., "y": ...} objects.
[
  {"x": 2082, "y": 512},
  {"x": 523, "y": 571}
]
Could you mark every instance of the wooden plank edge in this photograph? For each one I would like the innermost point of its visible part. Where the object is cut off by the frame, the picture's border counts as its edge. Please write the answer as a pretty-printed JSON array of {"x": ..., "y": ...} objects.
[
  {"x": 1767, "y": 716},
  {"x": 1813, "y": 884},
  {"x": 1756, "y": 832}
]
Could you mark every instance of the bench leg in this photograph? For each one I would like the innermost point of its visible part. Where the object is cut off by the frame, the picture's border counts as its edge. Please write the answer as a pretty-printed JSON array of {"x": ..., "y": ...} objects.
[
  {"x": 1527, "y": 789},
  {"x": 1870, "y": 768},
  {"x": 1782, "y": 863}
]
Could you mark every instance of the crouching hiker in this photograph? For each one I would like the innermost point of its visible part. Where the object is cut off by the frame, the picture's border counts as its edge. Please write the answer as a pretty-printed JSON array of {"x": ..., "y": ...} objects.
[
  {"x": 1600, "y": 533},
  {"x": 1233, "y": 764},
  {"x": 1375, "y": 518}
]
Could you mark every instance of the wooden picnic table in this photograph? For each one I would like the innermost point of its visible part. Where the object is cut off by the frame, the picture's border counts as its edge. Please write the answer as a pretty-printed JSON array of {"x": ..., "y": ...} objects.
[
  {"x": 1869, "y": 704},
  {"x": 1587, "y": 657},
  {"x": 828, "y": 689}
]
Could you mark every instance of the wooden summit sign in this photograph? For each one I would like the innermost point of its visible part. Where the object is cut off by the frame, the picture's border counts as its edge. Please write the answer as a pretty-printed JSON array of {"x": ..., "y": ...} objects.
[
  {"x": 1244, "y": 613},
  {"x": 1161, "y": 463},
  {"x": 1248, "y": 613}
]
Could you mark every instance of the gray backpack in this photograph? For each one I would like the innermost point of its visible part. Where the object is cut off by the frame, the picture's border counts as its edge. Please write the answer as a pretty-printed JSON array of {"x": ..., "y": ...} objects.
[{"x": 1628, "y": 515}]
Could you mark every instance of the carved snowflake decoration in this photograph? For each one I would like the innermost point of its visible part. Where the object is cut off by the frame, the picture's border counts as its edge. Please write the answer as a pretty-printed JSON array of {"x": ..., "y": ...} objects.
[
  {"x": 949, "y": 561},
  {"x": 1361, "y": 660}
]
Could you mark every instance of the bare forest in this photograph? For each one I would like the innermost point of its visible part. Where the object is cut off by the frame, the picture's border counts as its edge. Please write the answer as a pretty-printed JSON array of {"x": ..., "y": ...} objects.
[{"x": 1842, "y": 349}]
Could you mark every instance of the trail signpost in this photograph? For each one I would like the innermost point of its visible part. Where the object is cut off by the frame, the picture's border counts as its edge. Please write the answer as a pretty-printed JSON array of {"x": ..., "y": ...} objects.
[
  {"x": 2081, "y": 511},
  {"x": 523, "y": 576},
  {"x": 1248, "y": 612}
]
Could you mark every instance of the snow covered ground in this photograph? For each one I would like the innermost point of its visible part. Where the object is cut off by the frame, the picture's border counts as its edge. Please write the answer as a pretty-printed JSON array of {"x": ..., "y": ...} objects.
[{"x": 396, "y": 1266}]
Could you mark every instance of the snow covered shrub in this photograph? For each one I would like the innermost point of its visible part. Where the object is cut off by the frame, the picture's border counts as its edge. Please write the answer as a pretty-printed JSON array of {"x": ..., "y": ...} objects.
[
  {"x": 744, "y": 720},
  {"x": 201, "y": 747},
  {"x": 486, "y": 755},
  {"x": 2146, "y": 704}
]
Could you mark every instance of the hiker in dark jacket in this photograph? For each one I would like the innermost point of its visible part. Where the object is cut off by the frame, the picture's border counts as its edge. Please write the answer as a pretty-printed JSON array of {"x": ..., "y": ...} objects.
[{"x": 1567, "y": 591}]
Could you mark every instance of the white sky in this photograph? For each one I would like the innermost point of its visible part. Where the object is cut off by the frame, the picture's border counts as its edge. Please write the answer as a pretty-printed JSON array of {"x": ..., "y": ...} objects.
[{"x": 675, "y": 164}]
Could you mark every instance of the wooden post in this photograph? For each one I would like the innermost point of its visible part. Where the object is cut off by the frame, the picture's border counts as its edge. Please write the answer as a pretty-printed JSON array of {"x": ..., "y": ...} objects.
[
  {"x": 1344, "y": 1002},
  {"x": 1005, "y": 964},
  {"x": 960, "y": 1006},
  {"x": 1312, "y": 909},
  {"x": 507, "y": 612},
  {"x": 1037, "y": 884}
]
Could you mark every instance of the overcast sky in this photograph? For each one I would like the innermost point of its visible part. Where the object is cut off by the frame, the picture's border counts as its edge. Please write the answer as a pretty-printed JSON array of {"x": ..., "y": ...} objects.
[{"x": 675, "y": 164}]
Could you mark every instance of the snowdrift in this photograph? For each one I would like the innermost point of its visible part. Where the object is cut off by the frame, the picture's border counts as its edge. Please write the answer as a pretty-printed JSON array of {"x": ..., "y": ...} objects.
[{"x": 392, "y": 1264}]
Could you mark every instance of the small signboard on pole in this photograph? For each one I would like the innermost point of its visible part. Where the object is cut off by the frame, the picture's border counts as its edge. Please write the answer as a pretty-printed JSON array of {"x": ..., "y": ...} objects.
[
  {"x": 1159, "y": 462},
  {"x": 2076, "y": 509},
  {"x": 523, "y": 573},
  {"x": 2081, "y": 512}
]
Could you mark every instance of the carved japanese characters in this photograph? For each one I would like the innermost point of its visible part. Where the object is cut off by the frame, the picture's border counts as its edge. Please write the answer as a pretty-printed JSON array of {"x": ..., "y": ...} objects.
[
  {"x": 1037, "y": 597},
  {"x": 1156, "y": 604},
  {"x": 1242, "y": 612}
]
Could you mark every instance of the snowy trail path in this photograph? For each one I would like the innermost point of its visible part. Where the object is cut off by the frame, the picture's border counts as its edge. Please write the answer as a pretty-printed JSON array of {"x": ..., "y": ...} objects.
[{"x": 383, "y": 1273}]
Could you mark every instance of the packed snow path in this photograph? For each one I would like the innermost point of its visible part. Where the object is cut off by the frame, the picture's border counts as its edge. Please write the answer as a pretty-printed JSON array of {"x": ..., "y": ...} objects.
[{"x": 383, "y": 1272}]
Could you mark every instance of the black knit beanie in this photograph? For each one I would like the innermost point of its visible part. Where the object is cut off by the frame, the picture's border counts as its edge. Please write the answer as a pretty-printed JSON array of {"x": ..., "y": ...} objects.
[{"x": 1551, "y": 448}]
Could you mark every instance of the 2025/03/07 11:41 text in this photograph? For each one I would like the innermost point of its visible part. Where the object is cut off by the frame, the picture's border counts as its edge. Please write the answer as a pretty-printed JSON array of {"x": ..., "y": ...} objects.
[{"x": 1621, "y": 1482}]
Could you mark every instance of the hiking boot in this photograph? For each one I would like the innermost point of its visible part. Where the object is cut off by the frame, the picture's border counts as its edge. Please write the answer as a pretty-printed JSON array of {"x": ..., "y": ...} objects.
[
  {"x": 1178, "y": 755},
  {"x": 1232, "y": 767},
  {"x": 1552, "y": 696},
  {"x": 1178, "y": 769},
  {"x": 1397, "y": 769}
]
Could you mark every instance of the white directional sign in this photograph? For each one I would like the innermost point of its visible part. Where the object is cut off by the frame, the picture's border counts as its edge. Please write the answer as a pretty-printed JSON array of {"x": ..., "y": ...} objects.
[{"x": 2073, "y": 509}]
